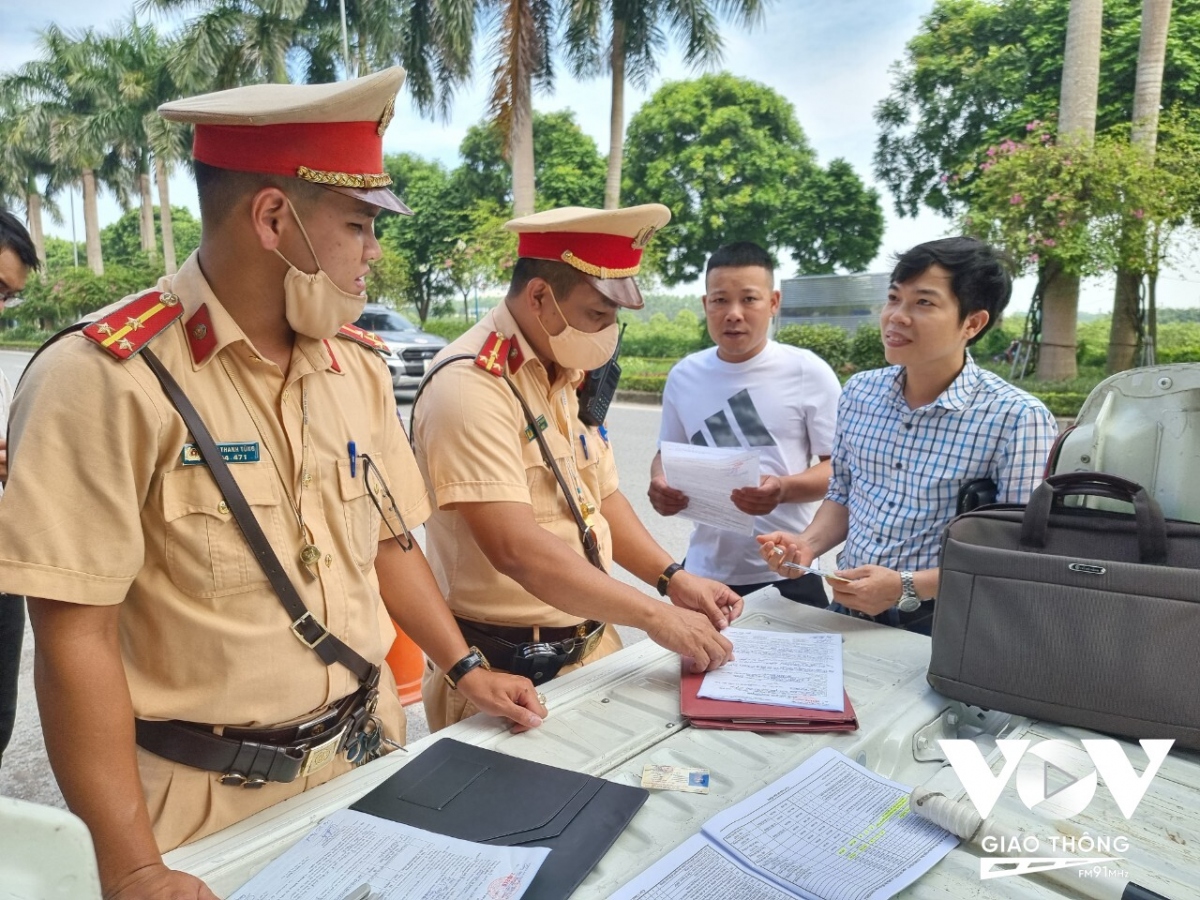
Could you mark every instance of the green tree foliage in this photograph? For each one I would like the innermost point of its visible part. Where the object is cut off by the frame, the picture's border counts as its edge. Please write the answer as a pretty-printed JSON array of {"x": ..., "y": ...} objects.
[
  {"x": 729, "y": 158},
  {"x": 568, "y": 169},
  {"x": 1086, "y": 210},
  {"x": 481, "y": 255},
  {"x": 121, "y": 241},
  {"x": 418, "y": 242},
  {"x": 979, "y": 70}
]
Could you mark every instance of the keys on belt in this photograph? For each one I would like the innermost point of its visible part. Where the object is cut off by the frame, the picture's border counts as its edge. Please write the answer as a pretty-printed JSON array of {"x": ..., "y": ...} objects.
[
  {"x": 539, "y": 661},
  {"x": 250, "y": 758}
]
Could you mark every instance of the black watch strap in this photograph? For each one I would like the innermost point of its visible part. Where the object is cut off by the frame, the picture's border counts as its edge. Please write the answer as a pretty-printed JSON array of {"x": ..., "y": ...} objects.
[
  {"x": 664, "y": 580},
  {"x": 472, "y": 660}
]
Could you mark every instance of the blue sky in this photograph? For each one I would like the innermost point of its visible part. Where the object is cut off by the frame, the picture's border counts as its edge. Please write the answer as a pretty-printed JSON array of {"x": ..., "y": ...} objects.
[{"x": 830, "y": 59}]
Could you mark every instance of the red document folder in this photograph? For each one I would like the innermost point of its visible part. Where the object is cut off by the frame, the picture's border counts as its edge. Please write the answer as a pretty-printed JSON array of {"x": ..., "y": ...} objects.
[{"x": 729, "y": 715}]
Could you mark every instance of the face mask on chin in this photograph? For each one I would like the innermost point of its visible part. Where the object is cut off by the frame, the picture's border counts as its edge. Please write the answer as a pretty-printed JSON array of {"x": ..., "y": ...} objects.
[
  {"x": 575, "y": 349},
  {"x": 313, "y": 304}
]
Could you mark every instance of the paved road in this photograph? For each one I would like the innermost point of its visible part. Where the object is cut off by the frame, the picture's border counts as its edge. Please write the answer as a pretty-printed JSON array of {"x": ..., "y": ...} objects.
[{"x": 634, "y": 429}]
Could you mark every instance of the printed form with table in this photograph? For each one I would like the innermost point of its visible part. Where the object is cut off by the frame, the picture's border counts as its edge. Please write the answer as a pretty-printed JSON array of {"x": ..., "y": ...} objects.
[{"x": 741, "y": 814}]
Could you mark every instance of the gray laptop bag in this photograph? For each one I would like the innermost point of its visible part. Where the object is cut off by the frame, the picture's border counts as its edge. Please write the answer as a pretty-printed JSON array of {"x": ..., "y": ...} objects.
[{"x": 1082, "y": 616}]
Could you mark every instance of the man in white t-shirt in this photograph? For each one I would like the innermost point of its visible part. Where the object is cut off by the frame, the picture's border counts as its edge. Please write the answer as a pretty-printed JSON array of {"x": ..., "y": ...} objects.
[
  {"x": 750, "y": 392},
  {"x": 17, "y": 258}
]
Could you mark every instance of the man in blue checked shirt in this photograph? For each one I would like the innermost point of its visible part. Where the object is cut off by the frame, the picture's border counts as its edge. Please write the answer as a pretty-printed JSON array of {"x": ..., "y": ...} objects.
[{"x": 910, "y": 435}]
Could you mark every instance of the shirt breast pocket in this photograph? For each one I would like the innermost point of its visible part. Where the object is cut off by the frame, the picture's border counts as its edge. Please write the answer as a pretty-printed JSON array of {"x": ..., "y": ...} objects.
[
  {"x": 362, "y": 516},
  {"x": 544, "y": 493},
  {"x": 207, "y": 554}
]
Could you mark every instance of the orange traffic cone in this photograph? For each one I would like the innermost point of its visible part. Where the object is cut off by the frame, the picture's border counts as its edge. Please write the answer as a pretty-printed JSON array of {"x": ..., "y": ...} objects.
[{"x": 406, "y": 661}]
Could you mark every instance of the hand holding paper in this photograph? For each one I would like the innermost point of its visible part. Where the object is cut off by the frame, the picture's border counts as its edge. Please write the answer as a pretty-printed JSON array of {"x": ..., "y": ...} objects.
[{"x": 709, "y": 476}]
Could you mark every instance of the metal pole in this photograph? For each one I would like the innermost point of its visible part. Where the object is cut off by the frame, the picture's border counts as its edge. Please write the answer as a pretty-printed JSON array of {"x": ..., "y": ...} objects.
[{"x": 345, "y": 39}]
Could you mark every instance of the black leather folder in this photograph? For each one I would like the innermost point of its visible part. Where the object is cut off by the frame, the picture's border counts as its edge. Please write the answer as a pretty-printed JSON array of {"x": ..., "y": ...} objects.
[{"x": 480, "y": 795}]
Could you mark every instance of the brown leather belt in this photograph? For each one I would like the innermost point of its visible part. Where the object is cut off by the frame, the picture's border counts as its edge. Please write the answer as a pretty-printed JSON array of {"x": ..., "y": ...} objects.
[
  {"x": 251, "y": 757},
  {"x": 514, "y": 649}
]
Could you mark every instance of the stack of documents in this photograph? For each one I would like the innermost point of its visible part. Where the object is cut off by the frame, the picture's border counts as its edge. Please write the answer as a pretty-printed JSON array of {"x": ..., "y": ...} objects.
[
  {"x": 479, "y": 795},
  {"x": 778, "y": 681},
  {"x": 829, "y": 830}
]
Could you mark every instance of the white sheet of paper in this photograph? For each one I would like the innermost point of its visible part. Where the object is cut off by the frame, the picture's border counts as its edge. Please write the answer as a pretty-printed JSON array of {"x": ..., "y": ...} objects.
[
  {"x": 400, "y": 862},
  {"x": 697, "y": 869},
  {"x": 803, "y": 671},
  {"x": 833, "y": 830},
  {"x": 708, "y": 475}
]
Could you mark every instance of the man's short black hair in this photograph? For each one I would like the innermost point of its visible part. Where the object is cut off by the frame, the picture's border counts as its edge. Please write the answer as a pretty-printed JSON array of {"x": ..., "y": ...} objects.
[
  {"x": 219, "y": 190},
  {"x": 740, "y": 254},
  {"x": 980, "y": 274},
  {"x": 14, "y": 237},
  {"x": 562, "y": 278}
]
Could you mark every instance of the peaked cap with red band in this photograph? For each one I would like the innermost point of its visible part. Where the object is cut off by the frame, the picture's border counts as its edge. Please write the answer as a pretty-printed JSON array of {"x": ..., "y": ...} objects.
[
  {"x": 327, "y": 134},
  {"x": 604, "y": 244}
]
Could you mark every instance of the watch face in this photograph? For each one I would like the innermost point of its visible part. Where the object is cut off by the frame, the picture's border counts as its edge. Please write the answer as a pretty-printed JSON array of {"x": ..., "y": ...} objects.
[{"x": 909, "y": 604}]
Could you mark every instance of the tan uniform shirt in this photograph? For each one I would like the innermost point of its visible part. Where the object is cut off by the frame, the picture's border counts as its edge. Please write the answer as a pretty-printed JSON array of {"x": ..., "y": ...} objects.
[
  {"x": 102, "y": 509},
  {"x": 471, "y": 442}
]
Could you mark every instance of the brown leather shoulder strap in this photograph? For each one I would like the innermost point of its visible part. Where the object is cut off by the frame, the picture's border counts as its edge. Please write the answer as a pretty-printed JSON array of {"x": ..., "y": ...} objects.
[{"x": 305, "y": 627}]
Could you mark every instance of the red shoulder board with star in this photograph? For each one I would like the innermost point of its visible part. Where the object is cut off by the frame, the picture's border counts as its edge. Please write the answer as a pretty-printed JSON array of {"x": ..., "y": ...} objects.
[
  {"x": 368, "y": 339},
  {"x": 131, "y": 327},
  {"x": 496, "y": 351}
]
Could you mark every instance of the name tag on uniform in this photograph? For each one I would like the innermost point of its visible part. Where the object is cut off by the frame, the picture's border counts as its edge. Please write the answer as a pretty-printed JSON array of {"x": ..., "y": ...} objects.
[
  {"x": 236, "y": 452},
  {"x": 541, "y": 424}
]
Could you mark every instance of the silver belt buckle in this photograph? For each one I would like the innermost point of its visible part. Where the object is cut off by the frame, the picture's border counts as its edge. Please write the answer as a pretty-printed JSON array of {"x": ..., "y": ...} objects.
[{"x": 320, "y": 755}]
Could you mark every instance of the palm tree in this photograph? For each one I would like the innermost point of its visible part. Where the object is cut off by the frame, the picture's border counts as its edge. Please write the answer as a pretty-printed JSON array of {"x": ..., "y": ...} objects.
[
  {"x": 25, "y": 164},
  {"x": 60, "y": 92},
  {"x": 1076, "y": 124},
  {"x": 1147, "y": 94},
  {"x": 521, "y": 52},
  {"x": 636, "y": 38}
]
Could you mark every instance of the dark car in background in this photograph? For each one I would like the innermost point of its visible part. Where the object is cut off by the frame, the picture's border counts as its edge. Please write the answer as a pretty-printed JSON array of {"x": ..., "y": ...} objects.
[{"x": 412, "y": 349}]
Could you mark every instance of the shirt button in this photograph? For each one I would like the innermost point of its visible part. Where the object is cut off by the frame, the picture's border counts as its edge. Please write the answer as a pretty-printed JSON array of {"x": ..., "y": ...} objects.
[
  {"x": 223, "y": 508},
  {"x": 879, "y": 540},
  {"x": 328, "y": 560},
  {"x": 287, "y": 394},
  {"x": 899, "y": 465},
  {"x": 907, "y": 426},
  {"x": 891, "y": 504}
]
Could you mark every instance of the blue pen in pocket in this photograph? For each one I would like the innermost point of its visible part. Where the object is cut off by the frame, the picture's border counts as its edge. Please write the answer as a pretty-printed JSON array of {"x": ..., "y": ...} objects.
[
  {"x": 583, "y": 442},
  {"x": 353, "y": 459}
]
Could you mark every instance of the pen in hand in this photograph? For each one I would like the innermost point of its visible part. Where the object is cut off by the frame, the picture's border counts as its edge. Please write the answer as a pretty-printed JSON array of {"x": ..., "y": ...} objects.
[{"x": 815, "y": 571}]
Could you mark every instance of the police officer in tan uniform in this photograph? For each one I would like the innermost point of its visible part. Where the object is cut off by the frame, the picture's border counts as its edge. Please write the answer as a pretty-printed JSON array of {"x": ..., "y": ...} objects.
[
  {"x": 529, "y": 517},
  {"x": 155, "y": 622}
]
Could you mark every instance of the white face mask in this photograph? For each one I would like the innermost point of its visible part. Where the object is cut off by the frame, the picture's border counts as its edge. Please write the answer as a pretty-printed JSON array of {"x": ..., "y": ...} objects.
[
  {"x": 577, "y": 349},
  {"x": 313, "y": 304}
]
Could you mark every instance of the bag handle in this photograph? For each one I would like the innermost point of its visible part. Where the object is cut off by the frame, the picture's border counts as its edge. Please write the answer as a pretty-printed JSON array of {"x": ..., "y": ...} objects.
[{"x": 1151, "y": 526}]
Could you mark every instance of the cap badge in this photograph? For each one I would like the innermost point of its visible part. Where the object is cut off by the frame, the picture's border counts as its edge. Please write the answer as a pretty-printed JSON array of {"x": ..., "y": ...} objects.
[
  {"x": 642, "y": 238},
  {"x": 389, "y": 110}
]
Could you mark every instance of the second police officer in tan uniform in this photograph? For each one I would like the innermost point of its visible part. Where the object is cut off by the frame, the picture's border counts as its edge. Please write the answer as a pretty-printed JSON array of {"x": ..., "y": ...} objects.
[
  {"x": 153, "y": 609},
  {"x": 521, "y": 548}
]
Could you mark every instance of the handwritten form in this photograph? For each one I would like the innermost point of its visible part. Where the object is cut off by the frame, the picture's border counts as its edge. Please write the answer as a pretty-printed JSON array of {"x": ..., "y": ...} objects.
[
  {"x": 802, "y": 671},
  {"x": 708, "y": 475},
  {"x": 829, "y": 830},
  {"x": 400, "y": 862}
]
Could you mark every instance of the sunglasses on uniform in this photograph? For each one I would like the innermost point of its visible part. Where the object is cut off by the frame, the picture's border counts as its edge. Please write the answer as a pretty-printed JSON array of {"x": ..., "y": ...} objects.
[{"x": 381, "y": 496}]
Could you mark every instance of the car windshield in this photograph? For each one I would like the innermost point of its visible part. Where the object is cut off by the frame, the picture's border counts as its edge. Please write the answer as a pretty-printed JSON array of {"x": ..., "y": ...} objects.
[{"x": 384, "y": 321}]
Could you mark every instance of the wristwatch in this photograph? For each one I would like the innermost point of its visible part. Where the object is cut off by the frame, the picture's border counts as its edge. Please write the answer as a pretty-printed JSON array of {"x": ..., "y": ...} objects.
[
  {"x": 664, "y": 580},
  {"x": 473, "y": 660},
  {"x": 909, "y": 601}
]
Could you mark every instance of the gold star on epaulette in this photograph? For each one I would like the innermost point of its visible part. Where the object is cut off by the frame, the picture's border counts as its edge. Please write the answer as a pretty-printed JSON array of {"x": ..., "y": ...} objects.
[
  {"x": 125, "y": 344},
  {"x": 104, "y": 328},
  {"x": 134, "y": 323}
]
